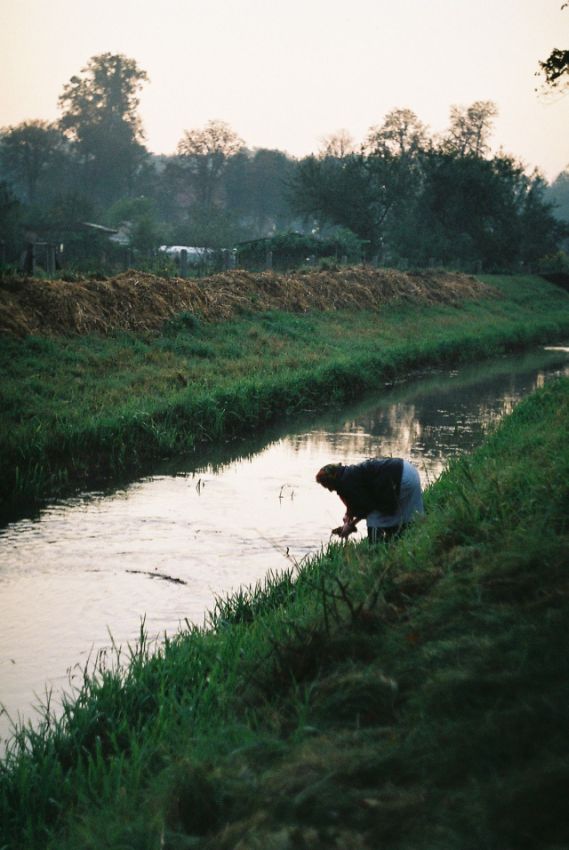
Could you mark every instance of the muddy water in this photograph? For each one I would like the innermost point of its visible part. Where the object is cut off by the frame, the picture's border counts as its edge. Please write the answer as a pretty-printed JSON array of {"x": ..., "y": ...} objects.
[{"x": 164, "y": 547}]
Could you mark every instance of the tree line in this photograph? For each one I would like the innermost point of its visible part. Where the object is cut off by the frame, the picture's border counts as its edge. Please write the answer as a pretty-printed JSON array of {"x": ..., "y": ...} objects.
[
  {"x": 414, "y": 196},
  {"x": 402, "y": 195}
]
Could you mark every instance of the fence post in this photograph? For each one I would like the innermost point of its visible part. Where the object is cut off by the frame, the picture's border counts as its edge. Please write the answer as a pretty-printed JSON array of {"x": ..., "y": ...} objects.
[
  {"x": 183, "y": 263},
  {"x": 50, "y": 259},
  {"x": 2, "y": 253},
  {"x": 30, "y": 259},
  {"x": 269, "y": 260}
]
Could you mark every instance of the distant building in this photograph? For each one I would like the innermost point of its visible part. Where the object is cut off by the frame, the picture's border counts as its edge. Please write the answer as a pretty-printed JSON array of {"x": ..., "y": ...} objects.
[{"x": 195, "y": 256}]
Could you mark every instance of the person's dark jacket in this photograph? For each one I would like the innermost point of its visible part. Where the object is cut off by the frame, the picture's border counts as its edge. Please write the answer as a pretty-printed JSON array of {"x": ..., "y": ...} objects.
[{"x": 373, "y": 485}]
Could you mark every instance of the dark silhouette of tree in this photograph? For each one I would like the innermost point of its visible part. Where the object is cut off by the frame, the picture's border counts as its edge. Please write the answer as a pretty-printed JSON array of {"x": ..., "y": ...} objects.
[
  {"x": 556, "y": 67},
  {"x": 349, "y": 191},
  {"x": 363, "y": 191},
  {"x": 256, "y": 188},
  {"x": 10, "y": 220},
  {"x": 26, "y": 153},
  {"x": 401, "y": 134},
  {"x": 100, "y": 116},
  {"x": 410, "y": 198},
  {"x": 470, "y": 129},
  {"x": 558, "y": 195},
  {"x": 203, "y": 156},
  {"x": 541, "y": 232},
  {"x": 339, "y": 145}
]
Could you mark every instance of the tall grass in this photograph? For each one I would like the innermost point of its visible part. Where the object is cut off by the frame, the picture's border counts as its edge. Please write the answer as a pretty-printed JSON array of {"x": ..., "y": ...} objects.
[{"x": 414, "y": 695}]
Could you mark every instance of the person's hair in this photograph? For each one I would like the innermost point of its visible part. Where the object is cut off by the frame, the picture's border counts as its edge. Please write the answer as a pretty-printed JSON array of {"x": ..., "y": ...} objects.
[{"x": 329, "y": 474}]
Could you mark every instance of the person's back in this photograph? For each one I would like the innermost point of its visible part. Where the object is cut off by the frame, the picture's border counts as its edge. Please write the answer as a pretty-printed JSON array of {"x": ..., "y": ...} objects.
[
  {"x": 386, "y": 491},
  {"x": 371, "y": 485}
]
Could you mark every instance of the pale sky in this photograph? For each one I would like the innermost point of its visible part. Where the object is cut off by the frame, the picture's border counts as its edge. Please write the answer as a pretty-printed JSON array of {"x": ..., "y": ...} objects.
[{"x": 286, "y": 74}]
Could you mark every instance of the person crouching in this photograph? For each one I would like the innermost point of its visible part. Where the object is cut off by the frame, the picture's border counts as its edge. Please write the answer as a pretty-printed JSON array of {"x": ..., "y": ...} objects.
[{"x": 385, "y": 491}]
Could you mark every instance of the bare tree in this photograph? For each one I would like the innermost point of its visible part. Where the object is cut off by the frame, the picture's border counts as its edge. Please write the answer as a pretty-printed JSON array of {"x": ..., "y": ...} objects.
[
  {"x": 338, "y": 145},
  {"x": 401, "y": 134},
  {"x": 204, "y": 154},
  {"x": 470, "y": 129}
]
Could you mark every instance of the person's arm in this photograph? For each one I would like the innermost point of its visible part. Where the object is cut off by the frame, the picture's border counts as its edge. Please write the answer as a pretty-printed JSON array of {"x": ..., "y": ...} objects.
[
  {"x": 348, "y": 527},
  {"x": 349, "y": 520}
]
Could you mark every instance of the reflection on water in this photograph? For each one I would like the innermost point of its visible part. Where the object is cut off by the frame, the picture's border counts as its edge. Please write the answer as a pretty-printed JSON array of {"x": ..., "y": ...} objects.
[{"x": 165, "y": 546}]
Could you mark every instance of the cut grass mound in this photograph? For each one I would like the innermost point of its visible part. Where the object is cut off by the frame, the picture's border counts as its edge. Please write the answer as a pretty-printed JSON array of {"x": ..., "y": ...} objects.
[
  {"x": 136, "y": 301},
  {"x": 408, "y": 697}
]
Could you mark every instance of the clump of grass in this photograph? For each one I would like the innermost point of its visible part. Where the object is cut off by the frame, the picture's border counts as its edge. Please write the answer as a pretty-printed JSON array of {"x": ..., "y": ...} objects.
[{"x": 182, "y": 323}]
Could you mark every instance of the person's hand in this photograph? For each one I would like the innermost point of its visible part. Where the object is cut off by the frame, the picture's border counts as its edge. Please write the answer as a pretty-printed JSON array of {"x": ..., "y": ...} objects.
[{"x": 346, "y": 529}]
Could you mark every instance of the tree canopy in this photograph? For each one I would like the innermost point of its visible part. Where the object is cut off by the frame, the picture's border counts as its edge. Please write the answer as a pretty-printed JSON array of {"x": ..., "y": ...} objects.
[
  {"x": 26, "y": 152},
  {"x": 100, "y": 115},
  {"x": 423, "y": 199},
  {"x": 470, "y": 128},
  {"x": 204, "y": 153},
  {"x": 556, "y": 67},
  {"x": 401, "y": 195},
  {"x": 106, "y": 94}
]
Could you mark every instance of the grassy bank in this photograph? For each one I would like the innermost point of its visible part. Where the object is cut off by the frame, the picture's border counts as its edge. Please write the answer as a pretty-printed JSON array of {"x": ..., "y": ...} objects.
[
  {"x": 83, "y": 409},
  {"x": 412, "y": 697}
]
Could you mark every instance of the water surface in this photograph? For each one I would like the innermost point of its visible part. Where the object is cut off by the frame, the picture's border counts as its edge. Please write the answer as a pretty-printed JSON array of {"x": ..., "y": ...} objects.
[{"x": 164, "y": 547}]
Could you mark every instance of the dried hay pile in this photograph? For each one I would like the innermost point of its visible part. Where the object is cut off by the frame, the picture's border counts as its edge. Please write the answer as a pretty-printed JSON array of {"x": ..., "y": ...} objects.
[{"x": 137, "y": 301}]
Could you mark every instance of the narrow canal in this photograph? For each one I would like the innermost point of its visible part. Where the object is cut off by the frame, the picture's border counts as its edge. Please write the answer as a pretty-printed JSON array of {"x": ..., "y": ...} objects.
[{"x": 165, "y": 546}]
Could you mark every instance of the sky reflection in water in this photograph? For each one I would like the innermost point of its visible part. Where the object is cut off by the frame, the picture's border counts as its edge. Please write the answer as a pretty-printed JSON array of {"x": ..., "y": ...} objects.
[{"x": 105, "y": 561}]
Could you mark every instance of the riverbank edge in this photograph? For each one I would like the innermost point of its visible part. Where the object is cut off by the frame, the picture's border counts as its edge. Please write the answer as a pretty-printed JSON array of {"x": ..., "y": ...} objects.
[
  {"x": 410, "y": 696},
  {"x": 101, "y": 449}
]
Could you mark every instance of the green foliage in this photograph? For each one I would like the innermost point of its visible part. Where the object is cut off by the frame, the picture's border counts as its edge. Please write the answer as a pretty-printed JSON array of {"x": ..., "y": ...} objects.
[
  {"x": 558, "y": 262},
  {"x": 181, "y": 323},
  {"x": 99, "y": 114},
  {"x": 558, "y": 196},
  {"x": 352, "y": 192},
  {"x": 407, "y": 199},
  {"x": 290, "y": 250},
  {"x": 129, "y": 209},
  {"x": 27, "y": 151},
  {"x": 422, "y": 200},
  {"x": 10, "y": 220},
  {"x": 203, "y": 156},
  {"x": 256, "y": 188},
  {"x": 207, "y": 227}
]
